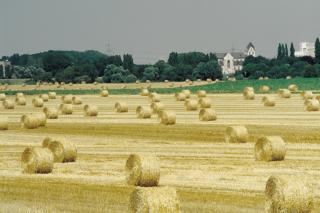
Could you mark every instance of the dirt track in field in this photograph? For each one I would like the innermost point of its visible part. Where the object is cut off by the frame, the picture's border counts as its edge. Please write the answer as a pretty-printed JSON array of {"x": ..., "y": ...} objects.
[{"x": 210, "y": 175}]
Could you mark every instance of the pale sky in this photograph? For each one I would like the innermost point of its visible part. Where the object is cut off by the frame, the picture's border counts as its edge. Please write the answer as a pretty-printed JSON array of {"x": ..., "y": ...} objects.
[{"x": 150, "y": 29}]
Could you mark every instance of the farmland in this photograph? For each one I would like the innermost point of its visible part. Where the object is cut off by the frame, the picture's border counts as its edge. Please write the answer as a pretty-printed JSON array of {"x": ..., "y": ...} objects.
[{"x": 209, "y": 174}]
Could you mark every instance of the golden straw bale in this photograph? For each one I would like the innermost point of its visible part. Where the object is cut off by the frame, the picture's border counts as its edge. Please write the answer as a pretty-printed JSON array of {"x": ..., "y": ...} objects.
[
  {"x": 186, "y": 92},
  {"x": 63, "y": 151},
  {"x": 260, "y": 78},
  {"x": 284, "y": 93},
  {"x": 232, "y": 79},
  {"x": 199, "y": 80},
  {"x": 204, "y": 102},
  {"x": 288, "y": 77},
  {"x": 37, "y": 160},
  {"x": 121, "y": 107},
  {"x": 154, "y": 199},
  {"x": 137, "y": 82},
  {"x": 143, "y": 170},
  {"x": 23, "y": 85},
  {"x": 2, "y": 96},
  {"x": 157, "y": 106},
  {"x": 52, "y": 95},
  {"x": 8, "y": 104},
  {"x": 191, "y": 105},
  {"x": 44, "y": 97},
  {"x": 249, "y": 95},
  {"x": 288, "y": 194},
  {"x": 143, "y": 112},
  {"x": 270, "y": 148},
  {"x": 166, "y": 81},
  {"x": 62, "y": 83},
  {"x": 168, "y": 117},
  {"x": 293, "y": 87},
  {"x": 19, "y": 94},
  {"x": 180, "y": 96},
  {"x": 268, "y": 101},
  {"x": 76, "y": 100},
  {"x": 202, "y": 93},
  {"x": 66, "y": 109},
  {"x": 51, "y": 112},
  {"x": 144, "y": 92},
  {"x": 148, "y": 81},
  {"x": 209, "y": 80},
  {"x": 236, "y": 134},
  {"x": 42, "y": 119},
  {"x": 308, "y": 95},
  {"x": 29, "y": 121},
  {"x": 266, "y": 78},
  {"x": 21, "y": 101},
  {"x": 207, "y": 115},
  {"x": 190, "y": 83},
  {"x": 124, "y": 86},
  {"x": 155, "y": 97},
  {"x": 4, "y": 125},
  {"x": 104, "y": 93},
  {"x": 246, "y": 89},
  {"x": 264, "y": 88},
  {"x": 312, "y": 105},
  {"x": 67, "y": 99},
  {"x": 37, "y": 102},
  {"x": 90, "y": 110}
]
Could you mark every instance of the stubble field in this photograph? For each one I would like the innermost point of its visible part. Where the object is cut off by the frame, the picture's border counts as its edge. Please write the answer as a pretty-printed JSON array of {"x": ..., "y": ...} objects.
[{"x": 209, "y": 174}]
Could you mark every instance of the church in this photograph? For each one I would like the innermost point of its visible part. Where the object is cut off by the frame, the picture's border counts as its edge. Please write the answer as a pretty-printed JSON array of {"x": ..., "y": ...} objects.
[{"x": 231, "y": 62}]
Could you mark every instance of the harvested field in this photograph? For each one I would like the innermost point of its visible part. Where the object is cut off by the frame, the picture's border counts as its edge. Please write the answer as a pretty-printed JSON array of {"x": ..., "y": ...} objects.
[{"x": 208, "y": 174}]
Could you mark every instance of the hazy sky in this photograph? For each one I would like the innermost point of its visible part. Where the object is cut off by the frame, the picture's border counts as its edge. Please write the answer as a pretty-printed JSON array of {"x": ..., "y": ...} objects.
[{"x": 151, "y": 29}]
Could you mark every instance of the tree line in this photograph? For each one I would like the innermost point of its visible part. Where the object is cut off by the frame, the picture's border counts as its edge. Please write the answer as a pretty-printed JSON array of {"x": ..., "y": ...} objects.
[{"x": 90, "y": 66}]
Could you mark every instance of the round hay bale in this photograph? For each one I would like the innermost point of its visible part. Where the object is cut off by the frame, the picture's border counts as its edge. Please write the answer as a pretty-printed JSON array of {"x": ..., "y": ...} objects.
[
  {"x": 2, "y": 97},
  {"x": 191, "y": 105},
  {"x": 236, "y": 134},
  {"x": 157, "y": 107},
  {"x": 288, "y": 194},
  {"x": 44, "y": 97},
  {"x": 260, "y": 78},
  {"x": 20, "y": 101},
  {"x": 186, "y": 92},
  {"x": 63, "y": 151},
  {"x": 249, "y": 95},
  {"x": 317, "y": 97},
  {"x": 62, "y": 83},
  {"x": 207, "y": 115},
  {"x": 199, "y": 80},
  {"x": 312, "y": 105},
  {"x": 104, "y": 93},
  {"x": 232, "y": 79},
  {"x": 270, "y": 148},
  {"x": 293, "y": 88},
  {"x": 166, "y": 81},
  {"x": 4, "y": 125},
  {"x": 51, "y": 112},
  {"x": 266, "y": 78},
  {"x": 180, "y": 96},
  {"x": 23, "y": 85},
  {"x": 52, "y": 95},
  {"x": 8, "y": 104},
  {"x": 284, "y": 93},
  {"x": 90, "y": 110},
  {"x": 288, "y": 77},
  {"x": 19, "y": 94},
  {"x": 143, "y": 112},
  {"x": 42, "y": 119},
  {"x": 37, "y": 102},
  {"x": 37, "y": 160},
  {"x": 264, "y": 89},
  {"x": 121, "y": 107},
  {"x": 209, "y": 80},
  {"x": 168, "y": 117},
  {"x": 29, "y": 121},
  {"x": 66, "y": 109},
  {"x": 190, "y": 83},
  {"x": 204, "y": 102},
  {"x": 155, "y": 97},
  {"x": 144, "y": 92},
  {"x": 308, "y": 95},
  {"x": 76, "y": 100},
  {"x": 143, "y": 170},
  {"x": 246, "y": 89},
  {"x": 202, "y": 93},
  {"x": 67, "y": 99},
  {"x": 154, "y": 199},
  {"x": 137, "y": 82},
  {"x": 171, "y": 85},
  {"x": 268, "y": 101},
  {"x": 148, "y": 81}
]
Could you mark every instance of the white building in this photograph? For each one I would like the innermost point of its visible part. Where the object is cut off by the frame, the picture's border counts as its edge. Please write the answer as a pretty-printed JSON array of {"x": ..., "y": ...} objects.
[
  {"x": 232, "y": 62},
  {"x": 3, "y": 65},
  {"x": 305, "y": 49}
]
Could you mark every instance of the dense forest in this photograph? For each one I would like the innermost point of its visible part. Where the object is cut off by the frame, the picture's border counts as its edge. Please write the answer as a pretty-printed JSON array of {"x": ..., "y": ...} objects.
[{"x": 90, "y": 66}]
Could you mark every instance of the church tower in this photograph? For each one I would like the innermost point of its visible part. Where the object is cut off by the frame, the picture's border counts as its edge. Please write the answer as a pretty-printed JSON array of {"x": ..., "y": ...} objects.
[{"x": 251, "y": 50}]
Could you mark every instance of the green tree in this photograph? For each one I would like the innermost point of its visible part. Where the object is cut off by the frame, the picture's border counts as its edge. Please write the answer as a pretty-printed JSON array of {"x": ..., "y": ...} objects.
[
  {"x": 128, "y": 61},
  {"x": 292, "y": 50},
  {"x": 130, "y": 78},
  {"x": 204, "y": 70},
  {"x": 286, "y": 50},
  {"x": 54, "y": 61},
  {"x": 279, "y": 55},
  {"x": 151, "y": 73},
  {"x": 173, "y": 58},
  {"x": 317, "y": 50}
]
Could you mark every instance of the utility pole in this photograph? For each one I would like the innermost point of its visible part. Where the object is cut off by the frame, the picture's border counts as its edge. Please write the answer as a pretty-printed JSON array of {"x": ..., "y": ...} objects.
[{"x": 109, "y": 50}]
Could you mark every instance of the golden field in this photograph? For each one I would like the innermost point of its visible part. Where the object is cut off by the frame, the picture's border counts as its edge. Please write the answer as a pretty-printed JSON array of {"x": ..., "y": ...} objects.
[{"x": 209, "y": 174}]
